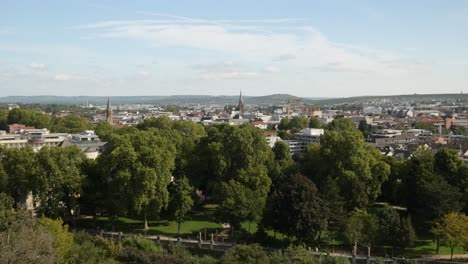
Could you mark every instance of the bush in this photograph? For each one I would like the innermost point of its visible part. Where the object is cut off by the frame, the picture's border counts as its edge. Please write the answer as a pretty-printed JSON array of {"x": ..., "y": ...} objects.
[
  {"x": 143, "y": 244},
  {"x": 245, "y": 254}
]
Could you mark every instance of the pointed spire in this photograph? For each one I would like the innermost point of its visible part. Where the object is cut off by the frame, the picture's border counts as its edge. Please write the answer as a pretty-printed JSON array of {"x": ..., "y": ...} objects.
[
  {"x": 241, "y": 104},
  {"x": 109, "y": 112}
]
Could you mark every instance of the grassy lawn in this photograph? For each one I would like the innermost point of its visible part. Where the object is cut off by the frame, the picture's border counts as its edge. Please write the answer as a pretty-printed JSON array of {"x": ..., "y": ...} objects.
[{"x": 196, "y": 222}]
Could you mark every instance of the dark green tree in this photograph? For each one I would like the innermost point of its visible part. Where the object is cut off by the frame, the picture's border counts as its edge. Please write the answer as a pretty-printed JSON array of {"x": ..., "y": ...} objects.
[
  {"x": 296, "y": 209},
  {"x": 180, "y": 202}
]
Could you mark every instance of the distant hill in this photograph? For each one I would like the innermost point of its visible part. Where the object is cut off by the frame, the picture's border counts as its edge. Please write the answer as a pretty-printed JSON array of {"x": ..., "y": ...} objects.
[
  {"x": 157, "y": 100},
  {"x": 273, "y": 99}
]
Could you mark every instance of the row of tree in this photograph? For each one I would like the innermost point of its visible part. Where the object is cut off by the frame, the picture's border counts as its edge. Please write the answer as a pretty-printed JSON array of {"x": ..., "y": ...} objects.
[
  {"x": 67, "y": 124},
  {"x": 333, "y": 188}
]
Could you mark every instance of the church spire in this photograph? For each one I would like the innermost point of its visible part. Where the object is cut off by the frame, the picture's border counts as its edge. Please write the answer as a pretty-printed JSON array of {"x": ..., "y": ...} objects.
[
  {"x": 241, "y": 104},
  {"x": 109, "y": 112}
]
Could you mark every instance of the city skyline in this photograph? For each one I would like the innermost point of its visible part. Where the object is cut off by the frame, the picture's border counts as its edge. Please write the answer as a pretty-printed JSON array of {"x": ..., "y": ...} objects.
[{"x": 308, "y": 49}]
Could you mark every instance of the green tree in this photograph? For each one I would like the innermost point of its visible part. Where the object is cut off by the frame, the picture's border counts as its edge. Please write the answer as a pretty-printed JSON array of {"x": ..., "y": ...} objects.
[
  {"x": 138, "y": 168},
  {"x": 359, "y": 169},
  {"x": 63, "y": 240},
  {"x": 233, "y": 162},
  {"x": 180, "y": 202},
  {"x": 298, "y": 123},
  {"x": 104, "y": 130},
  {"x": 428, "y": 195},
  {"x": 361, "y": 227},
  {"x": 59, "y": 179},
  {"x": 22, "y": 169},
  {"x": 296, "y": 209},
  {"x": 363, "y": 127},
  {"x": 285, "y": 123},
  {"x": 71, "y": 124},
  {"x": 453, "y": 229},
  {"x": 29, "y": 118},
  {"x": 314, "y": 122},
  {"x": 450, "y": 166},
  {"x": 6, "y": 211},
  {"x": 3, "y": 119}
]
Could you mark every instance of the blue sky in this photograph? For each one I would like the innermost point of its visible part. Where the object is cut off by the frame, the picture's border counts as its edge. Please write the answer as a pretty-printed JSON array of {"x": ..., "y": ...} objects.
[{"x": 305, "y": 48}]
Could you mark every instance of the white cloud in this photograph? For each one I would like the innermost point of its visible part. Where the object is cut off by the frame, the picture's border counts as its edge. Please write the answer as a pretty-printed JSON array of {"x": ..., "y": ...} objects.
[
  {"x": 271, "y": 69},
  {"x": 224, "y": 70},
  {"x": 37, "y": 66},
  {"x": 68, "y": 77},
  {"x": 252, "y": 40}
]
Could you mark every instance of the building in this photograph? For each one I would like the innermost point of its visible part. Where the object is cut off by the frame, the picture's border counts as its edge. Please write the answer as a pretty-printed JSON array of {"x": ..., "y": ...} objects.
[
  {"x": 109, "y": 112},
  {"x": 309, "y": 135},
  {"x": 34, "y": 138},
  {"x": 240, "y": 107},
  {"x": 88, "y": 142}
]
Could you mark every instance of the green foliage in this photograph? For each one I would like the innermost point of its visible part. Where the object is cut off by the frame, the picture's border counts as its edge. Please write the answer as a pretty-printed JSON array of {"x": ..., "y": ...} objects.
[
  {"x": 59, "y": 178},
  {"x": 180, "y": 201},
  {"x": 138, "y": 170},
  {"x": 361, "y": 227},
  {"x": 6, "y": 211},
  {"x": 314, "y": 122},
  {"x": 359, "y": 169},
  {"x": 63, "y": 240},
  {"x": 3, "y": 119},
  {"x": 363, "y": 127},
  {"x": 70, "y": 124},
  {"x": 295, "y": 209},
  {"x": 143, "y": 244},
  {"x": 29, "y": 118},
  {"x": 428, "y": 195},
  {"x": 453, "y": 229},
  {"x": 245, "y": 254},
  {"x": 294, "y": 124},
  {"x": 235, "y": 160}
]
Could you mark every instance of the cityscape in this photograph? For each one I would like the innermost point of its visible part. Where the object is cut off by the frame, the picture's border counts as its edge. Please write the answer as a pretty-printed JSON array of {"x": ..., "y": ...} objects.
[{"x": 235, "y": 132}]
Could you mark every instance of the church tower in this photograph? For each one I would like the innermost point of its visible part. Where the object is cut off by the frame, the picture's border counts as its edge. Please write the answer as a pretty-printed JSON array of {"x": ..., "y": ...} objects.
[
  {"x": 109, "y": 112},
  {"x": 241, "y": 105}
]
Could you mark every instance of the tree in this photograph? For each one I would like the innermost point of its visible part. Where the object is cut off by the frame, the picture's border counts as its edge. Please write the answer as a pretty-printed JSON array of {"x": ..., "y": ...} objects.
[
  {"x": 407, "y": 235},
  {"x": 233, "y": 163},
  {"x": 314, "y": 122},
  {"x": 428, "y": 195},
  {"x": 22, "y": 169},
  {"x": 296, "y": 209},
  {"x": 363, "y": 127},
  {"x": 6, "y": 211},
  {"x": 388, "y": 227},
  {"x": 298, "y": 123},
  {"x": 70, "y": 124},
  {"x": 59, "y": 180},
  {"x": 453, "y": 229},
  {"x": 285, "y": 123},
  {"x": 29, "y": 118},
  {"x": 361, "y": 227},
  {"x": 283, "y": 164},
  {"x": 138, "y": 168},
  {"x": 450, "y": 166},
  {"x": 359, "y": 169},
  {"x": 180, "y": 201}
]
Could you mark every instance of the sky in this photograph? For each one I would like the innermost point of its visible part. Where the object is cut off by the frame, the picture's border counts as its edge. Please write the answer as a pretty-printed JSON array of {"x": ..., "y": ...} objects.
[{"x": 211, "y": 47}]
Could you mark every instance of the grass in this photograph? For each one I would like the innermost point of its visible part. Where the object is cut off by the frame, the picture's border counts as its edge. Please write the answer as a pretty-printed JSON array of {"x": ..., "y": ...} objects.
[{"x": 197, "y": 221}]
